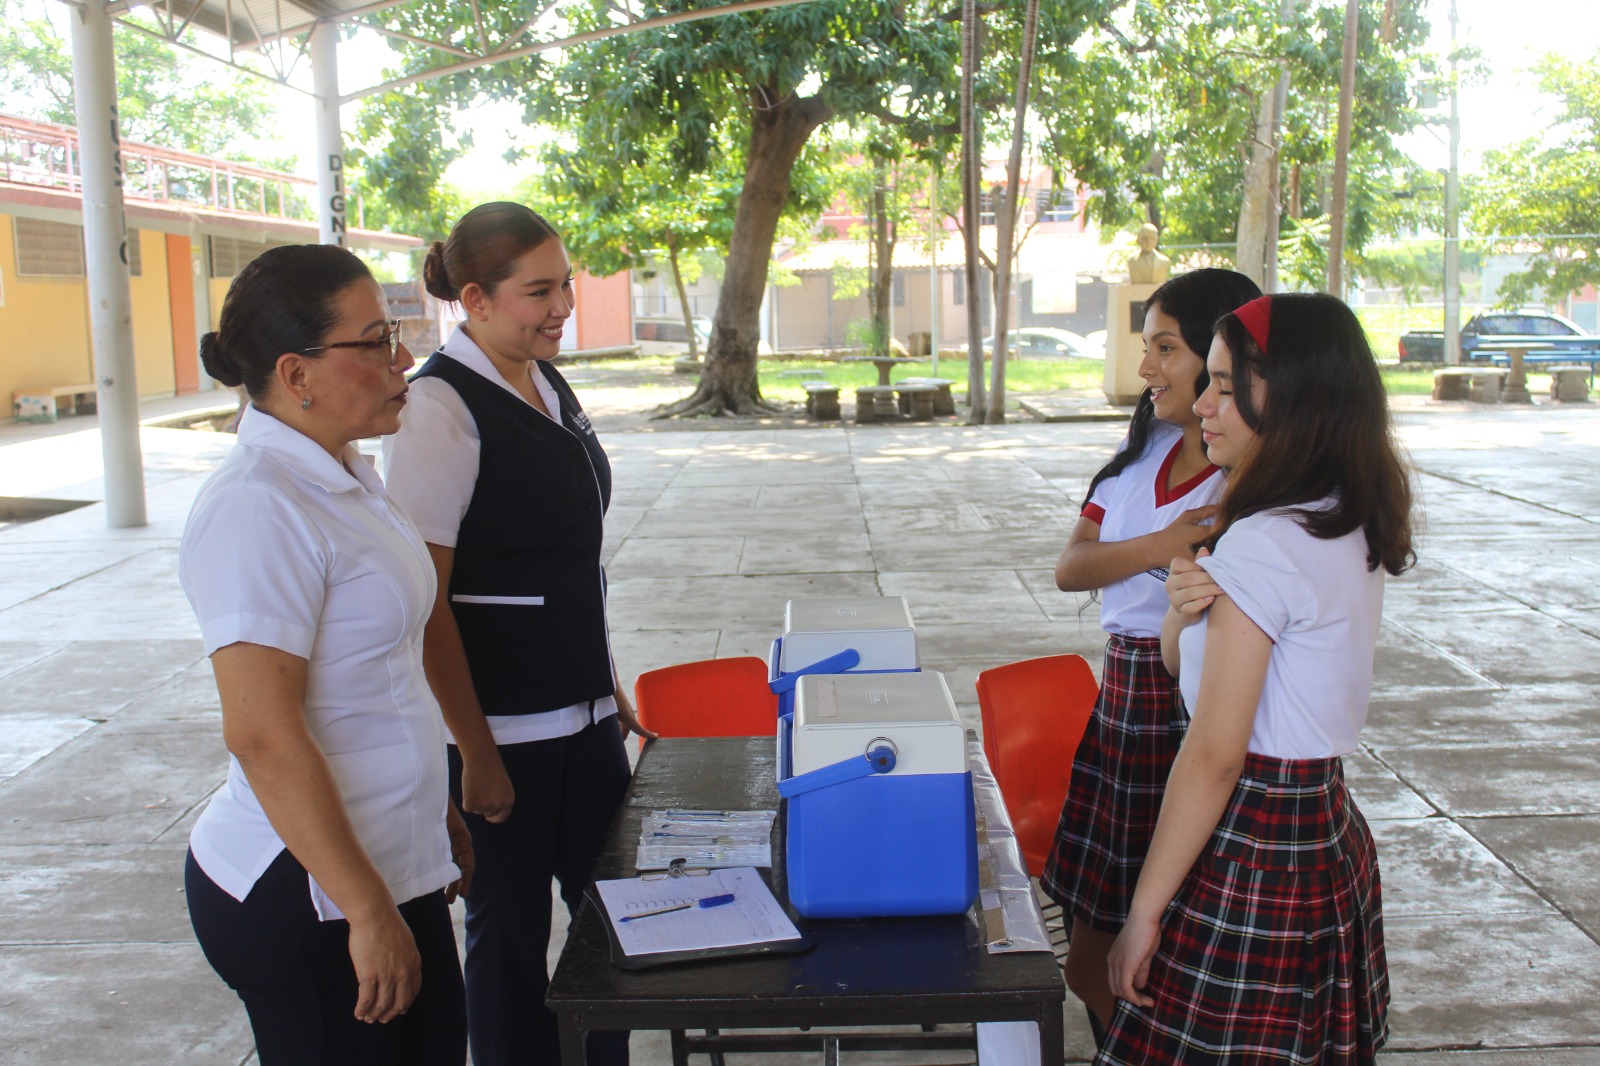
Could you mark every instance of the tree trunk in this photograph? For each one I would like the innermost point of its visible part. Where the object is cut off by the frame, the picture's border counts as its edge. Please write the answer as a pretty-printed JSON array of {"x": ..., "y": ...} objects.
[
  {"x": 778, "y": 132},
  {"x": 1005, "y": 242},
  {"x": 1257, "y": 211},
  {"x": 970, "y": 147},
  {"x": 1341, "y": 158},
  {"x": 683, "y": 303},
  {"x": 881, "y": 288}
]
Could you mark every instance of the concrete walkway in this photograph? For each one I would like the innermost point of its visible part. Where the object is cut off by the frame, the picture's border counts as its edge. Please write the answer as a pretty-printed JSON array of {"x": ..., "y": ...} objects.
[{"x": 1478, "y": 769}]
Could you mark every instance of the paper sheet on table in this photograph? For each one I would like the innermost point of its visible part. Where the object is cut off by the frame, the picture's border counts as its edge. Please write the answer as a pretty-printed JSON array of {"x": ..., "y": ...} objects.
[{"x": 754, "y": 916}]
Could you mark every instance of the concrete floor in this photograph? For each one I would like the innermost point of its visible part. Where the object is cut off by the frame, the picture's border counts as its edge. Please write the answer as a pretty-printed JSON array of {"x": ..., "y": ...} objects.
[{"x": 1477, "y": 770}]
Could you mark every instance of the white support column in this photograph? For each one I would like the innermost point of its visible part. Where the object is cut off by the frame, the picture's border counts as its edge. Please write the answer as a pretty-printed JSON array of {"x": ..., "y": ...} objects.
[
  {"x": 330, "y": 137},
  {"x": 105, "y": 245}
]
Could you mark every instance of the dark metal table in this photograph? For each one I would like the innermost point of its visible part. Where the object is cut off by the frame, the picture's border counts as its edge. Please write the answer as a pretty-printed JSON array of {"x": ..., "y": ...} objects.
[{"x": 862, "y": 972}]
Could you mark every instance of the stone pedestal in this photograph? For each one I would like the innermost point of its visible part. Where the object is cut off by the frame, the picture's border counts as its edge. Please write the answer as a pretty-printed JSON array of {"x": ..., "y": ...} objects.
[
  {"x": 1569, "y": 384},
  {"x": 1124, "y": 345},
  {"x": 1515, "y": 389}
]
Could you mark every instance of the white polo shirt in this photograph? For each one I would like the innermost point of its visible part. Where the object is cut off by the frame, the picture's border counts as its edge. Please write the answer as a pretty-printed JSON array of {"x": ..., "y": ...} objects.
[
  {"x": 1137, "y": 502},
  {"x": 1322, "y": 607},
  {"x": 431, "y": 469},
  {"x": 288, "y": 548}
]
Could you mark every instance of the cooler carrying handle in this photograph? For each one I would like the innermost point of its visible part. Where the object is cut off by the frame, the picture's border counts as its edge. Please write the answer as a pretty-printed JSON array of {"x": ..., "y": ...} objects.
[
  {"x": 836, "y": 663},
  {"x": 878, "y": 759}
]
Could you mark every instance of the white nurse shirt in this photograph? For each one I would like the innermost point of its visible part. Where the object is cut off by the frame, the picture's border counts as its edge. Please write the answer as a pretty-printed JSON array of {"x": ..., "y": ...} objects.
[{"x": 289, "y": 548}]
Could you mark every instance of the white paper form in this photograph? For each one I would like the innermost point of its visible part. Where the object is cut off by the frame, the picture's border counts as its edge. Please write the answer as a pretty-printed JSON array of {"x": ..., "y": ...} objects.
[{"x": 754, "y": 916}]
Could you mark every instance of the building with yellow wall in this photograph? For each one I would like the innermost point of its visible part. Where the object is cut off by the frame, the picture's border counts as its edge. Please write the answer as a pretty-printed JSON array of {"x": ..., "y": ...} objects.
[{"x": 193, "y": 221}]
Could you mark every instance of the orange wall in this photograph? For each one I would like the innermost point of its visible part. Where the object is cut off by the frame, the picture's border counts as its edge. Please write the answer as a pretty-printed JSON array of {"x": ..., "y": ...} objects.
[
  {"x": 180, "y": 284},
  {"x": 604, "y": 315}
]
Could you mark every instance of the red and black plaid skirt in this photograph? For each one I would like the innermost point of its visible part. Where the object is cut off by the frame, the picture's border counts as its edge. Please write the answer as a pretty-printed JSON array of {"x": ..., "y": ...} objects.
[
  {"x": 1118, "y": 778},
  {"x": 1272, "y": 951}
]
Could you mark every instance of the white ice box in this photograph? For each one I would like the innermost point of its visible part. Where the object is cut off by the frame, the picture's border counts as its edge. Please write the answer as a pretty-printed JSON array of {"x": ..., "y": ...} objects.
[{"x": 880, "y": 813}]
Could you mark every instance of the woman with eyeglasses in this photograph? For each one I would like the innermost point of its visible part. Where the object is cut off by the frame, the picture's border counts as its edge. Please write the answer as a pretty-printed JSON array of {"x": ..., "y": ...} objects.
[
  {"x": 503, "y": 473},
  {"x": 320, "y": 875}
]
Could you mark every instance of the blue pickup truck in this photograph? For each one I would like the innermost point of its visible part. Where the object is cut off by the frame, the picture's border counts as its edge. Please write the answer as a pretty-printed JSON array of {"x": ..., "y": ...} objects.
[{"x": 1494, "y": 330}]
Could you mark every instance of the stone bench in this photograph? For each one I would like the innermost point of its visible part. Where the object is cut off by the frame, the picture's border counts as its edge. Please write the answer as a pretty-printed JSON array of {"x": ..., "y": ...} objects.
[
  {"x": 943, "y": 402},
  {"x": 1570, "y": 384},
  {"x": 916, "y": 402},
  {"x": 874, "y": 402},
  {"x": 1477, "y": 384},
  {"x": 44, "y": 405},
  {"x": 822, "y": 401}
]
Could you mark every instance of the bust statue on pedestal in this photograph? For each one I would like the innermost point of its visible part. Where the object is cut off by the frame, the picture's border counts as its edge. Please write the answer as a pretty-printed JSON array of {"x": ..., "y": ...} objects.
[{"x": 1149, "y": 267}]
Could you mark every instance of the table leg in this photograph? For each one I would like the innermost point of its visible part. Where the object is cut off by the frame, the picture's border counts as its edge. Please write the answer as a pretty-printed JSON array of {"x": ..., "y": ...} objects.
[
  {"x": 571, "y": 1039},
  {"x": 1515, "y": 389},
  {"x": 1052, "y": 1036},
  {"x": 680, "y": 1050},
  {"x": 883, "y": 373}
]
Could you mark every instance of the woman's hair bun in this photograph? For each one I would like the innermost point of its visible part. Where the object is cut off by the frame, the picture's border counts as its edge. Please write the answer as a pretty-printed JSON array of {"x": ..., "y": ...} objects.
[
  {"x": 217, "y": 363},
  {"x": 435, "y": 278}
]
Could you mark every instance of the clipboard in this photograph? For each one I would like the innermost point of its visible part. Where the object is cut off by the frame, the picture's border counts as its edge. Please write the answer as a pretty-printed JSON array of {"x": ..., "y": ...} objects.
[{"x": 693, "y": 935}]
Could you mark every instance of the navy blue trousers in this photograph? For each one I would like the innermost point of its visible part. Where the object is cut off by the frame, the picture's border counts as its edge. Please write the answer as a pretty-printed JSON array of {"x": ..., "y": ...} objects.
[
  {"x": 567, "y": 789},
  {"x": 294, "y": 974}
]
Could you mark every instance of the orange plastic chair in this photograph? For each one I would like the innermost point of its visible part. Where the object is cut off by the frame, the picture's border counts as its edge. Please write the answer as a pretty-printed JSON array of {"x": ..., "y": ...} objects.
[
  {"x": 1034, "y": 714},
  {"x": 709, "y": 698}
]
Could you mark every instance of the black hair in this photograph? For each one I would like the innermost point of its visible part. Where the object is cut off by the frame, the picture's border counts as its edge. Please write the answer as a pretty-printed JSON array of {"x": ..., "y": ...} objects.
[
  {"x": 1324, "y": 433},
  {"x": 282, "y": 301},
  {"x": 1196, "y": 300},
  {"x": 483, "y": 247}
]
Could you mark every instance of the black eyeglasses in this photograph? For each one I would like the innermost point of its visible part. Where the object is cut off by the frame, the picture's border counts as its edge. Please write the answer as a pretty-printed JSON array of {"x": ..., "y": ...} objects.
[{"x": 389, "y": 339}]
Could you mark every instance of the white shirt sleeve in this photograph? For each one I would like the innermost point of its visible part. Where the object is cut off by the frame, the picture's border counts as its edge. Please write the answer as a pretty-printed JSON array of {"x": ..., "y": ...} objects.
[
  {"x": 255, "y": 569},
  {"x": 430, "y": 467},
  {"x": 1252, "y": 567}
]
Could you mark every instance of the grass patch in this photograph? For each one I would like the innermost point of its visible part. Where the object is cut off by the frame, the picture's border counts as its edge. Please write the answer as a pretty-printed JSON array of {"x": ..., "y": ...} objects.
[{"x": 785, "y": 379}]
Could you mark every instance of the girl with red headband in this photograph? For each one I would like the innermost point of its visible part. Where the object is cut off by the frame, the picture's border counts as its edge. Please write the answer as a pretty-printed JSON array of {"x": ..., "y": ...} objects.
[
  {"x": 1255, "y": 933},
  {"x": 1147, "y": 504}
]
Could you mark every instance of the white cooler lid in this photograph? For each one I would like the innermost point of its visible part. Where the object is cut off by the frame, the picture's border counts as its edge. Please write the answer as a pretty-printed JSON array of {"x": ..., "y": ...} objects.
[
  {"x": 879, "y": 627},
  {"x": 837, "y": 716}
]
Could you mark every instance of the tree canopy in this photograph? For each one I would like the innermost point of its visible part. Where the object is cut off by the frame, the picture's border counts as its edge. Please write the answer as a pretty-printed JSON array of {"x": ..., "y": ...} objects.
[
  {"x": 165, "y": 98},
  {"x": 1542, "y": 196}
]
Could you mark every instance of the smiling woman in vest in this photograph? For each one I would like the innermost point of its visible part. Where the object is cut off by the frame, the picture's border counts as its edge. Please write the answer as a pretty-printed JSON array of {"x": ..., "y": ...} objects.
[
  {"x": 319, "y": 876},
  {"x": 501, "y": 470}
]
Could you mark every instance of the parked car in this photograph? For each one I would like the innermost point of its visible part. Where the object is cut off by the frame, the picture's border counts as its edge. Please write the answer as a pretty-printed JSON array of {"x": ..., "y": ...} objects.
[
  {"x": 1046, "y": 341},
  {"x": 667, "y": 335},
  {"x": 1494, "y": 330}
]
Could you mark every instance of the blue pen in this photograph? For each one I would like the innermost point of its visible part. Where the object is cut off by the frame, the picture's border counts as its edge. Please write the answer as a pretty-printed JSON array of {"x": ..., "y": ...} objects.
[{"x": 709, "y": 901}]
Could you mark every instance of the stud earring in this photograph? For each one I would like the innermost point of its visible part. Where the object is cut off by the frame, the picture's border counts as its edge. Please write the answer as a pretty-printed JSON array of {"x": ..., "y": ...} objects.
[{"x": 305, "y": 403}]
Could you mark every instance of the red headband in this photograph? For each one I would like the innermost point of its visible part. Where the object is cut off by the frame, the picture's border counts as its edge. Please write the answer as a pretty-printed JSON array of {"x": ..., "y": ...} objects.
[{"x": 1256, "y": 317}]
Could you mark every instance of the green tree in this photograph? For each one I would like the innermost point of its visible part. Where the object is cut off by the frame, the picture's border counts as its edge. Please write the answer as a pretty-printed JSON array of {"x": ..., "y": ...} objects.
[
  {"x": 620, "y": 214},
  {"x": 165, "y": 97},
  {"x": 1544, "y": 192},
  {"x": 766, "y": 81},
  {"x": 1162, "y": 112}
]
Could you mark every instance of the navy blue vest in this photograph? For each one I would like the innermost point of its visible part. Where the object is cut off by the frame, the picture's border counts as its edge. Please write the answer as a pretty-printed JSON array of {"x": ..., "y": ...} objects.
[{"x": 532, "y": 530}]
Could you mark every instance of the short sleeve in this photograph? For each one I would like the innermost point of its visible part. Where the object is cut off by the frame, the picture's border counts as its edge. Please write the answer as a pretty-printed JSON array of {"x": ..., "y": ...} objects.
[
  {"x": 430, "y": 467},
  {"x": 1099, "y": 501},
  {"x": 1252, "y": 567},
  {"x": 255, "y": 569}
]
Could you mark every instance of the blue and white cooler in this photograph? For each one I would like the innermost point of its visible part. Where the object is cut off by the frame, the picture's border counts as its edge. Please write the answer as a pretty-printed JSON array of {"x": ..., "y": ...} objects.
[
  {"x": 835, "y": 636},
  {"x": 880, "y": 810}
]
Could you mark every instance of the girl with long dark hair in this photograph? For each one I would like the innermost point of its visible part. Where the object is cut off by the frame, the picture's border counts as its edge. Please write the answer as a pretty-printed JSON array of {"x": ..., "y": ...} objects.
[
  {"x": 1255, "y": 933},
  {"x": 1146, "y": 505}
]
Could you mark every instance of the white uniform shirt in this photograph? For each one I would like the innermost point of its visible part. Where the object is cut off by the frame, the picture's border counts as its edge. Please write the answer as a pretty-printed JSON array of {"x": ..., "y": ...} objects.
[
  {"x": 1137, "y": 502},
  {"x": 431, "y": 468},
  {"x": 288, "y": 548},
  {"x": 1322, "y": 607}
]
